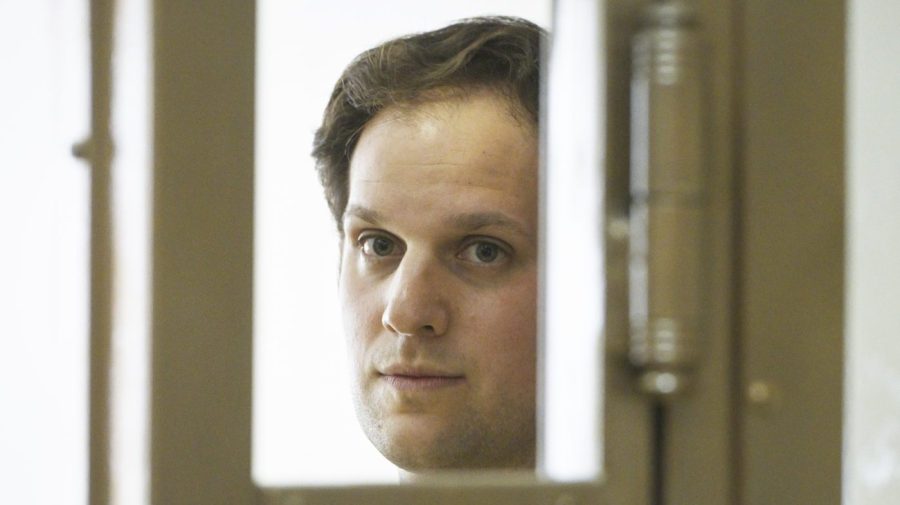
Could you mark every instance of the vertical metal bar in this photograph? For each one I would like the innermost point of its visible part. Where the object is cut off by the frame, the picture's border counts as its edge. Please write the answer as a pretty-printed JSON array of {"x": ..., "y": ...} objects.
[
  {"x": 627, "y": 435},
  {"x": 202, "y": 253},
  {"x": 792, "y": 265},
  {"x": 98, "y": 149},
  {"x": 699, "y": 435}
]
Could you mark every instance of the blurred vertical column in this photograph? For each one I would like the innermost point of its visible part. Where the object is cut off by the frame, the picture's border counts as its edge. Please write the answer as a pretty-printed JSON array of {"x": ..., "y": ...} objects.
[
  {"x": 668, "y": 199},
  {"x": 202, "y": 252},
  {"x": 98, "y": 149}
]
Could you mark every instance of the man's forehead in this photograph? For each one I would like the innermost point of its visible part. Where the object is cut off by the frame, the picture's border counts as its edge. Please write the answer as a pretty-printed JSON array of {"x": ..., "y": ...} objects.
[
  {"x": 439, "y": 102},
  {"x": 441, "y": 175},
  {"x": 437, "y": 138},
  {"x": 456, "y": 194},
  {"x": 462, "y": 164}
]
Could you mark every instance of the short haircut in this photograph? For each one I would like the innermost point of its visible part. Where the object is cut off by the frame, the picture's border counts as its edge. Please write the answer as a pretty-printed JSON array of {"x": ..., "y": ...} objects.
[{"x": 499, "y": 54}]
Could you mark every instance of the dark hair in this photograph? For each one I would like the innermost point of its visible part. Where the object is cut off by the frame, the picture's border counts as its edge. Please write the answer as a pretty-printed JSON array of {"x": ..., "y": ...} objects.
[{"x": 500, "y": 54}]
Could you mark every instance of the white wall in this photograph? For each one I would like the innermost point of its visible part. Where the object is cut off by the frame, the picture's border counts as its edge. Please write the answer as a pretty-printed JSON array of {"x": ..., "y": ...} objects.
[
  {"x": 44, "y": 104},
  {"x": 872, "y": 432}
]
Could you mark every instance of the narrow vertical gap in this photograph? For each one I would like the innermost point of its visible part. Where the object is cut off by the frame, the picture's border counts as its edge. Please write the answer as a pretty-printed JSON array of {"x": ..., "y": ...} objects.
[
  {"x": 738, "y": 248},
  {"x": 658, "y": 461}
]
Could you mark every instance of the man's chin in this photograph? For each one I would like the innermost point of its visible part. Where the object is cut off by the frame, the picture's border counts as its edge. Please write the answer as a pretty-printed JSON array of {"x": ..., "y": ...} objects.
[
  {"x": 429, "y": 438},
  {"x": 417, "y": 444}
]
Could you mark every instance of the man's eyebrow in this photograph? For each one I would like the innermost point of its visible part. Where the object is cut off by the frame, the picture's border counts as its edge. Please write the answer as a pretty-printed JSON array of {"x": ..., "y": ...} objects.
[
  {"x": 470, "y": 221},
  {"x": 364, "y": 213},
  {"x": 476, "y": 220}
]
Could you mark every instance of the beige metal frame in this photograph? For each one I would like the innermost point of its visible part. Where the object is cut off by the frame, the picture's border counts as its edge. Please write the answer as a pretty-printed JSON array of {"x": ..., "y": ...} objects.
[
  {"x": 763, "y": 422},
  {"x": 483, "y": 489},
  {"x": 202, "y": 234},
  {"x": 791, "y": 268},
  {"x": 202, "y": 290},
  {"x": 773, "y": 355}
]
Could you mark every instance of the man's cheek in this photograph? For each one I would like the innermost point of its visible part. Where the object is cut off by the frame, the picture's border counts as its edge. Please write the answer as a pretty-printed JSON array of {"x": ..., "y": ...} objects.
[{"x": 362, "y": 325}]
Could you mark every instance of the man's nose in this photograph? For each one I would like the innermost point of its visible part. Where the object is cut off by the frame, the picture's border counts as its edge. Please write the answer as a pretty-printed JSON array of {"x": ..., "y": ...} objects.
[{"x": 416, "y": 303}]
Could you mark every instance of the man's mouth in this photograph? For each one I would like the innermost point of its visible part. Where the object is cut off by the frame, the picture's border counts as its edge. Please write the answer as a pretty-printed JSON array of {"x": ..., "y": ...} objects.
[{"x": 407, "y": 378}]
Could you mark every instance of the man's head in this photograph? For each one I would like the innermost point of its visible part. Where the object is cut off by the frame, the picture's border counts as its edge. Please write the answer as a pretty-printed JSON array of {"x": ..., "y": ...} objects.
[
  {"x": 497, "y": 54},
  {"x": 428, "y": 154}
]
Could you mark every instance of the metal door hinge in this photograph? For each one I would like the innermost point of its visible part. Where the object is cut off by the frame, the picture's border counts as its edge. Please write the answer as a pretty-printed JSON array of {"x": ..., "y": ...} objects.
[{"x": 668, "y": 199}]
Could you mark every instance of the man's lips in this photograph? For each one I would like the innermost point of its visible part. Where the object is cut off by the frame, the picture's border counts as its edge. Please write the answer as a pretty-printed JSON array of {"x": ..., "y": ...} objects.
[{"x": 419, "y": 378}]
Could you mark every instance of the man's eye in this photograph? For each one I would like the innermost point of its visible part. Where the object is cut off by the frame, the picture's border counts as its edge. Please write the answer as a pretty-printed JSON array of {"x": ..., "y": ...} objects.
[
  {"x": 378, "y": 245},
  {"x": 483, "y": 252}
]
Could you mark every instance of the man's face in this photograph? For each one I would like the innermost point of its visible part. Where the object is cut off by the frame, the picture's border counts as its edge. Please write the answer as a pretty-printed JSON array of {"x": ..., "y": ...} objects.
[{"x": 439, "y": 284}]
